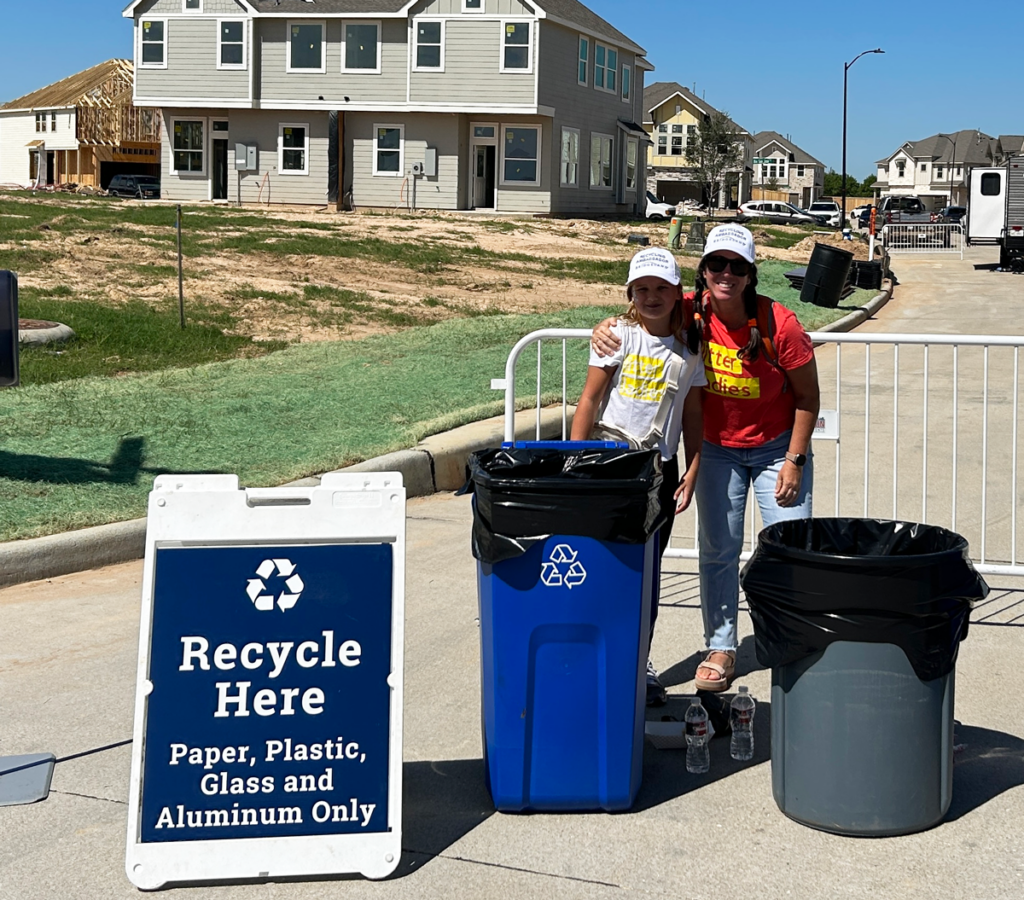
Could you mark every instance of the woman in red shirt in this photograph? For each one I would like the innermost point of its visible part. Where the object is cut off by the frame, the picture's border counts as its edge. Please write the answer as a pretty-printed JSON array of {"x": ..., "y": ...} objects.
[{"x": 759, "y": 414}]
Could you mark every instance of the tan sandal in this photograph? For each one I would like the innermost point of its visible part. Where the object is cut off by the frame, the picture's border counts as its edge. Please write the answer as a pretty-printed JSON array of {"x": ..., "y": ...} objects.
[{"x": 725, "y": 673}]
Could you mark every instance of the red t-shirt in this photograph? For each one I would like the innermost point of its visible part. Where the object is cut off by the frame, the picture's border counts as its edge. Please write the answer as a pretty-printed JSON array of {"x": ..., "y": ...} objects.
[{"x": 747, "y": 404}]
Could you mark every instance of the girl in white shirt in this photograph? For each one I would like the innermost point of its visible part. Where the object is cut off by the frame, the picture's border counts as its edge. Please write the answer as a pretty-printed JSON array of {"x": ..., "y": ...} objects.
[{"x": 632, "y": 391}]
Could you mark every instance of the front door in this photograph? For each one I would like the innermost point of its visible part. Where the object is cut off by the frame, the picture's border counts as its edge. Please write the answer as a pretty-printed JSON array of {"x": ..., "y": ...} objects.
[
  {"x": 220, "y": 170},
  {"x": 484, "y": 175}
]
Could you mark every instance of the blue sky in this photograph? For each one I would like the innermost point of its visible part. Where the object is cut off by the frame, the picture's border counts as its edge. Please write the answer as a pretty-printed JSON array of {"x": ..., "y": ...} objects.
[{"x": 775, "y": 66}]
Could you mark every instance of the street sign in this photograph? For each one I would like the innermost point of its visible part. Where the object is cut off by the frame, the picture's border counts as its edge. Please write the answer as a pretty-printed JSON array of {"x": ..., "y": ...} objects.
[{"x": 268, "y": 718}]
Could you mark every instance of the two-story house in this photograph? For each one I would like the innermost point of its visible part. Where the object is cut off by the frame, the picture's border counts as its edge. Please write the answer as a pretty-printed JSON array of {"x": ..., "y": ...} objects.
[
  {"x": 934, "y": 168},
  {"x": 82, "y": 129},
  {"x": 780, "y": 165},
  {"x": 514, "y": 106},
  {"x": 672, "y": 115}
]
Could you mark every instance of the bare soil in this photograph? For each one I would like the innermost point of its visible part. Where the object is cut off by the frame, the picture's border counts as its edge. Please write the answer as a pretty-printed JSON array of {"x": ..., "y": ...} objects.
[{"x": 131, "y": 262}]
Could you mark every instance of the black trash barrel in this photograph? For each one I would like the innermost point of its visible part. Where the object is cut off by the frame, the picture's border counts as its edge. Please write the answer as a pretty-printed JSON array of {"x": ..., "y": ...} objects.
[
  {"x": 860, "y": 621},
  {"x": 827, "y": 274}
]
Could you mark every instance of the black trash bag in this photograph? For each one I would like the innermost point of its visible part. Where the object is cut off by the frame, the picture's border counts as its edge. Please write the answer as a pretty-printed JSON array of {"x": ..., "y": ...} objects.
[
  {"x": 814, "y": 581},
  {"x": 524, "y": 495}
]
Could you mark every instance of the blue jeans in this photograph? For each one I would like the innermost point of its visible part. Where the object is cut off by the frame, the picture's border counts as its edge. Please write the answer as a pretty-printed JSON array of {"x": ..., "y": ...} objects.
[{"x": 725, "y": 476}]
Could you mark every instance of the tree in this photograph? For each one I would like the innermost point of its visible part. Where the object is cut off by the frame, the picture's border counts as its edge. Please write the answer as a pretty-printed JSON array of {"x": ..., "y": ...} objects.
[
  {"x": 834, "y": 184},
  {"x": 715, "y": 150},
  {"x": 868, "y": 185}
]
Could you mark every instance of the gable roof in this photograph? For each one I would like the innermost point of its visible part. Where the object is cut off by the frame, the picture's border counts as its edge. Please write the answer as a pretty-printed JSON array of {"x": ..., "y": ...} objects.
[
  {"x": 801, "y": 157},
  {"x": 575, "y": 15},
  {"x": 972, "y": 147},
  {"x": 82, "y": 89},
  {"x": 661, "y": 91},
  {"x": 1011, "y": 143}
]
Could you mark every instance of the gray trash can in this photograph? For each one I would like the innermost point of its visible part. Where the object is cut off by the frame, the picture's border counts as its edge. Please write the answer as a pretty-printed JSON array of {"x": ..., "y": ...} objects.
[{"x": 860, "y": 621}]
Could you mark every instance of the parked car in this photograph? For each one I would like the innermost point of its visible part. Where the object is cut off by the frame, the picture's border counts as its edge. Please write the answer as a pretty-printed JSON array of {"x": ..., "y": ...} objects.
[
  {"x": 142, "y": 187},
  {"x": 950, "y": 215},
  {"x": 776, "y": 212},
  {"x": 829, "y": 210},
  {"x": 905, "y": 210},
  {"x": 861, "y": 212},
  {"x": 658, "y": 210}
]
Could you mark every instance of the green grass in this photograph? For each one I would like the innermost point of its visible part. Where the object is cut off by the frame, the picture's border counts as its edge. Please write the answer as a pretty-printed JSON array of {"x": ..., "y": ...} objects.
[
  {"x": 78, "y": 453},
  {"x": 134, "y": 337}
]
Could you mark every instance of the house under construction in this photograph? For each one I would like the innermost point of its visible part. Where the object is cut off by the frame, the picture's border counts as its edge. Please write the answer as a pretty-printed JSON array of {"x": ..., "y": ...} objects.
[{"x": 81, "y": 130}]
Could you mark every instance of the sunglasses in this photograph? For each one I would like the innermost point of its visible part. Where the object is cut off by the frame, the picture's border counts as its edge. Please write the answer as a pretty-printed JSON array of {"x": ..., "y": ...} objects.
[{"x": 717, "y": 264}]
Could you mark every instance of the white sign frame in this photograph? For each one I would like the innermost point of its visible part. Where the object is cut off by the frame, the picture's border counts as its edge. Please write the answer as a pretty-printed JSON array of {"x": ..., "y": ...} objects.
[{"x": 205, "y": 510}]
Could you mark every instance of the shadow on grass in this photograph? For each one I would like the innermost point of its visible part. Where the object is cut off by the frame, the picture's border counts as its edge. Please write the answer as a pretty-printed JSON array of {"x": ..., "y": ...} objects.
[{"x": 126, "y": 466}]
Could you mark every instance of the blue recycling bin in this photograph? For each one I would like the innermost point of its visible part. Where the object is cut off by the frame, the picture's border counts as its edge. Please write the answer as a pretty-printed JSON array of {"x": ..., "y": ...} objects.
[{"x": 564, "y": 633}]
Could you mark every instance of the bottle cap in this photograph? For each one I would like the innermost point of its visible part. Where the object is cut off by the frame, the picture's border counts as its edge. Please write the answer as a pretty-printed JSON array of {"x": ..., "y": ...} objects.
[
  {"x": 695, "y": 701},
  {"x": 742, "y": 689}
]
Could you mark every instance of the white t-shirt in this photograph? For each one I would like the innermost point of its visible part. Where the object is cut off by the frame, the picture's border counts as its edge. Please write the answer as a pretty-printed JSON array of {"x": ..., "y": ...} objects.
[{"x": 639, "y": 383}]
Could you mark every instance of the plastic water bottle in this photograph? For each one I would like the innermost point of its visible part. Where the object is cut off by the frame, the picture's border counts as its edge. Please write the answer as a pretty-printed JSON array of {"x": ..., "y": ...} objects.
[
  {"x": 741, "y": 721},
  {"x": 698, "y": 757}
]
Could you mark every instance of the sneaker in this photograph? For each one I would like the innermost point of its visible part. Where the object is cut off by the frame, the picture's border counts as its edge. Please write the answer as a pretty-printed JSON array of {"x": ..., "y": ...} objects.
[{"x": 656, "y": 693}]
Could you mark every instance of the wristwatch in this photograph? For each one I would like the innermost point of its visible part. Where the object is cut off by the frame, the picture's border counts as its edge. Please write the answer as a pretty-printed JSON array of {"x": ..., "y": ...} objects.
[{"x": 797, "y": 459}]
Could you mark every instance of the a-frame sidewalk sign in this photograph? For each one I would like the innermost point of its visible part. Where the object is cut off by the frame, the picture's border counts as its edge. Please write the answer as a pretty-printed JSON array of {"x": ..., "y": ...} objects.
[{"x": 268, "y": 710}]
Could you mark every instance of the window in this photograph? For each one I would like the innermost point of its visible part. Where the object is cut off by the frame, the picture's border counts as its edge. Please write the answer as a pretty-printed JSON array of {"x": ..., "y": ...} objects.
[
  {"x": 924, "y": 167},
  {"x": 601, "y": 161},
  {"x": 606, "y": 65},
  {"x": 764, "y": 173},
  {"x": 40, "y": 121},
  {"x": 153, "y": 44},
  {"x": 799, "y": 171},
  {"x": 231, "y": 45},
  {"x": 662, "y": 142},
  {"x": 306, "y": 47},
  {"x": 581, "y": 77},
  {"x": 627, "y": 77},
  {"x": 938, "y": 171},
  {"x": 691, "y": 138},
  {"x": 192, "y": 6},
  {"x": 472, "y": 5},
  {"x": 187, "y": 145},
  {"x": 293, "y": 149},
  {"x": 570, "y": 157},
  {"x": 901, "y": 168},
  {"x": 517, "y": 48},
  {"x": 958, "y": 170},
  {"x": 53, "y": 121},
  {"x": 222, "y": 127},
  {"x": 991, "y": 184},
  {"x": 677, "y": 145},
  {"x": 388, "y": 149},
  {"x": 359, "y": 50},
  {"x": 485, "y": 131},
  {"x": 521, "y": 155},
  {"x": 632, "y": 151},
  {"x": 429, "y": 46}
]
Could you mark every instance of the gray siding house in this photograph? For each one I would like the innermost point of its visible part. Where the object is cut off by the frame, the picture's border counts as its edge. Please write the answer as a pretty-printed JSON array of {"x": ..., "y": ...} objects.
[{"x": 515, "y": 106}]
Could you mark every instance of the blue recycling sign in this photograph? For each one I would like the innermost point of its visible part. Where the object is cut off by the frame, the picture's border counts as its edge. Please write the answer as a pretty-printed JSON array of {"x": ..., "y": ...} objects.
[{"x": 269, "y": 713}]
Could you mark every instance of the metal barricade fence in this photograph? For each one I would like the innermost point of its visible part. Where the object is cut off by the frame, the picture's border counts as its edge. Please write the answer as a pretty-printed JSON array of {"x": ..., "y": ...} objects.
[
  {"x": 923, "y": 428},
  {"x": 924, "y": 238}
]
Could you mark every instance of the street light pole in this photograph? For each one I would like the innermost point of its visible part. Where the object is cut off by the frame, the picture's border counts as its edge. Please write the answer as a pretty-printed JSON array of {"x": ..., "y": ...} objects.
[
  {"x": 951, "y": 163},
  {"x": 846, "y": 69}
]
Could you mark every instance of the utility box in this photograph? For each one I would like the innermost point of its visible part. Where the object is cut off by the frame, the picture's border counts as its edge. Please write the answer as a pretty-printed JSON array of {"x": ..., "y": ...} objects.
[
  {"x": 430, "y": 162},
  {"x": 245, "y": 158},
  {"x": 8, "y": 329}
]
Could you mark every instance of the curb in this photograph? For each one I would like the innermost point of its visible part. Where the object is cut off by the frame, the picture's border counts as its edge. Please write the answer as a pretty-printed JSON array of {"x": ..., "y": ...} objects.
[{"x": 437, "y": 463}]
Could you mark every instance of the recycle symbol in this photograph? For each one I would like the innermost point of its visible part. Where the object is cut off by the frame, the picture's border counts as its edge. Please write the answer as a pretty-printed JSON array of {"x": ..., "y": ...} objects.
[
  {"x": 563, "y": 569},
  {"x": 257, "y": 588}
]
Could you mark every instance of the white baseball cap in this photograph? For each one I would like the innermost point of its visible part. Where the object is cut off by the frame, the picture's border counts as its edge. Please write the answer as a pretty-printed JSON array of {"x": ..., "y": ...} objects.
[
  {"x": 654, "y": 261},
  {"x": 731, "y": 237}
]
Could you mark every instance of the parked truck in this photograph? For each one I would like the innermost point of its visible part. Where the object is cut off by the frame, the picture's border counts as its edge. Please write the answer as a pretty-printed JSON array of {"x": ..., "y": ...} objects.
[
  {"x": 995, "y": 211},
  {"x": 896, "y": 210}
]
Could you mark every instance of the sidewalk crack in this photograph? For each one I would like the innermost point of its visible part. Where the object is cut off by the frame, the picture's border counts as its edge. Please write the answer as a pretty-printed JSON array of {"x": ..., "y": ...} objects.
[
  {"x": 89, "y": 797},
  {"x": 494, "y": 865}
]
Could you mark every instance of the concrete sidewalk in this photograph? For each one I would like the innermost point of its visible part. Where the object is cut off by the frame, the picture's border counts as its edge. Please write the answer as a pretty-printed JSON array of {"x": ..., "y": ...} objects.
[{"x": 67, "y": 665}]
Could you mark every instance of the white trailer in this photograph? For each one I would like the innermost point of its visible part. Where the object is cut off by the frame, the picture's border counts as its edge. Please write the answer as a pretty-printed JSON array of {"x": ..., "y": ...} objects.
[{"x": 995, "y": 211}]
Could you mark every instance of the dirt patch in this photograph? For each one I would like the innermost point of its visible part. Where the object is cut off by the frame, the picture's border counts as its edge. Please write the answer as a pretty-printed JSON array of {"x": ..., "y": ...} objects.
[{"x": 272, "y": 296}]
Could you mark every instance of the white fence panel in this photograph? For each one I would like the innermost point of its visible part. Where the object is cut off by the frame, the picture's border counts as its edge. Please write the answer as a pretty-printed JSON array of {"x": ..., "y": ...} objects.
[
  {"x": 922, "y": 428},
  {"x": 924, "y": 238}
]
